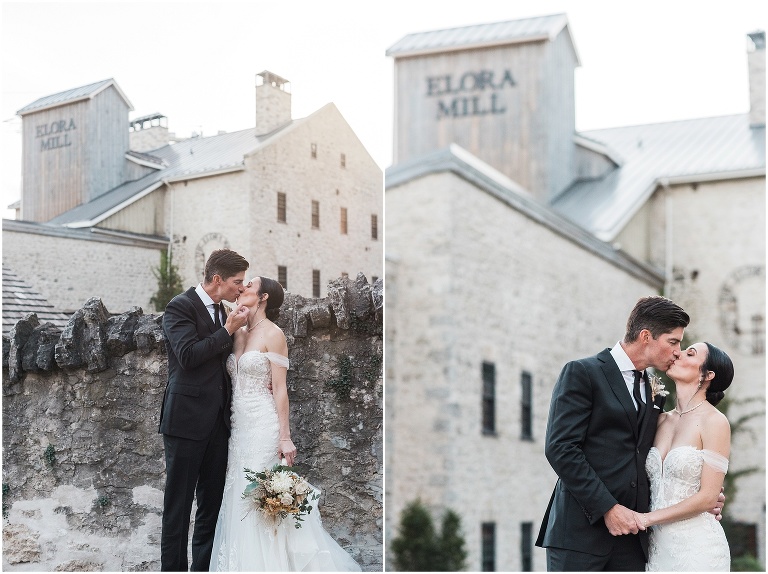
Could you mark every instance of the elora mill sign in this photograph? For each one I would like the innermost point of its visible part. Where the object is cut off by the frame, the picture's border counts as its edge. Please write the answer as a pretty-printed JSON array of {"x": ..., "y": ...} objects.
[
  {"x": 470, "y": 94},
  {"x": 55, "y": 134}
]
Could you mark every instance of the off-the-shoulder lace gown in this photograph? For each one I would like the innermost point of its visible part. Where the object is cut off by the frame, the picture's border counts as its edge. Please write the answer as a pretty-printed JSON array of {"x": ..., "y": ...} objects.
[
  {"x": 696, "y": 544},
  {"x": 245, "y": 541}
]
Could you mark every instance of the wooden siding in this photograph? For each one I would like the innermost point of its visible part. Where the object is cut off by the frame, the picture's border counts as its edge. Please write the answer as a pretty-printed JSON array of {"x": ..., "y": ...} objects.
[
  {"x": 85, "y": 161},
  {"x": 143, "y": 216},
  {"x": 529, "y": 139}
]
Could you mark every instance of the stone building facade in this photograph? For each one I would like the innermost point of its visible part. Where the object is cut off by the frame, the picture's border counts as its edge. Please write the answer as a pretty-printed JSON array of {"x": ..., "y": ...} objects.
[
  {"x": 498, "y": 275},
  {"x": 301, "y": 199},
  {"x": 83, "y": 471}
]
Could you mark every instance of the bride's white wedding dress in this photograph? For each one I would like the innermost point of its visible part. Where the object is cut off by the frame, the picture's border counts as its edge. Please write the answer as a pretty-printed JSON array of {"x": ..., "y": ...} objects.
[
  {"x": 696, "y": 544},
  {"x": 245, "y": 541}
]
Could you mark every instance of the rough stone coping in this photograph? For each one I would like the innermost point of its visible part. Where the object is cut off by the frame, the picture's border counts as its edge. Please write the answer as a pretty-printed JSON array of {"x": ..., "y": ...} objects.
[{"x": 92, "y": 335}]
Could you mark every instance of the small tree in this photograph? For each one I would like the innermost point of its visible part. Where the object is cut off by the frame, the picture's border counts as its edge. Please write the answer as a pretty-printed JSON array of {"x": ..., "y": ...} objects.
[
  {"x": 169, "y": 282},
  {"x": 418, "y": 548},
  {"x": 452, "y": 553}
]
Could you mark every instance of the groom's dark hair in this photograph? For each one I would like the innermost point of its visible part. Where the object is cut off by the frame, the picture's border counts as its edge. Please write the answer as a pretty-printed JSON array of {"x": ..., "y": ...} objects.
[
  {"x": 224, "y": 263},
  {"x": 657, "y": 314}
]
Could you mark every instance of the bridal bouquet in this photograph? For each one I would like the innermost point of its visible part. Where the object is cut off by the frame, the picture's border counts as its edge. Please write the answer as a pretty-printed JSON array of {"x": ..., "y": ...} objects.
[{"x": 278, "y": 492}]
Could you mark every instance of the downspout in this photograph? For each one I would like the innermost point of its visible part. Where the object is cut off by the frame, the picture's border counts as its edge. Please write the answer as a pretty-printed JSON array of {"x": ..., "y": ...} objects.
[
  {"x": 170, "y": 226},
  {"x": 668, "y": 243}
]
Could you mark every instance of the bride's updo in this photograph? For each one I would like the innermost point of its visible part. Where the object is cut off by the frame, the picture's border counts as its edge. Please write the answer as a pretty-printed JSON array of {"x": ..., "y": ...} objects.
[
  {"x": 720, "y": 364},
  {"x": 276, "y": 296}
]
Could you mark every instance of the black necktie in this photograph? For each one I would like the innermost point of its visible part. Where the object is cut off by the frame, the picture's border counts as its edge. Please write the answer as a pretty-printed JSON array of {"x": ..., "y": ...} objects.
[
  {"x": 638, "y": 398},
  {"x": 216, "y": 319}
]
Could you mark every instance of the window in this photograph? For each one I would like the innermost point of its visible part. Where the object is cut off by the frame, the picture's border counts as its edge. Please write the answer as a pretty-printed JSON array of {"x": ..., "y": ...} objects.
[
  {"x": 758, "y": 335},
  {"x": 313, "y": 150},
  {"x": 343, "y": 160},
  {"x": 282, "y": 276},
  {"x": 315, "y": 214},
  {"x": 374, "y": 227},
  {"x": 343, "y": 220},
  {"x": 315, "y": 283},
  {"x": 526, "y": 407},
  {"x": 280, "y": 207},
  {"x": 488, "y": 547},
  {"x": 489, "y": 398},
  {"x": 526, "y": 546}
]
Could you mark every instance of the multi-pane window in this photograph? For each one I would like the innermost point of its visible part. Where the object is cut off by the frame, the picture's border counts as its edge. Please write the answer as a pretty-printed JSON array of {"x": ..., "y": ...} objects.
[
  {"x": 315, "y": 283},
  {"x": 343, "y": 160},
  {"x": 313, "y": 150},
  {"x": 282, "y": 276},
  {"x": 526, "y": 407},
  {"x": 280, "y": 207},
  {"x": 526, "y": 546},
  {"x": 315, "y": 214},
  {"x": 374, "y": 227},
  {"x": 343, "y": 220},
  {"x": 488, "y": 547},
  {"x": 489, "y": 398}
]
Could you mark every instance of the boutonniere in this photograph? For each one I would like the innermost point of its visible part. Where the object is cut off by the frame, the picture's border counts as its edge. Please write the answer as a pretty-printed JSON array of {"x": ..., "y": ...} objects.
[{"x": 657, "y": 387}]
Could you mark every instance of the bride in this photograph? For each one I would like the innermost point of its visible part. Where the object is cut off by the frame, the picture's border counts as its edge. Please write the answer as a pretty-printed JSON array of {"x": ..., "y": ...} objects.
[
  {"x": 686, "y": 467},
  {"x": 261, "y": 436}
]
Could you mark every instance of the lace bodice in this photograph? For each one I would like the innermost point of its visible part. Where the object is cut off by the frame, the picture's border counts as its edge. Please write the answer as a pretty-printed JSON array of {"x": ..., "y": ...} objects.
[
  {"x": 695, "y": 544},
  {"x": 679, "y": 476}
]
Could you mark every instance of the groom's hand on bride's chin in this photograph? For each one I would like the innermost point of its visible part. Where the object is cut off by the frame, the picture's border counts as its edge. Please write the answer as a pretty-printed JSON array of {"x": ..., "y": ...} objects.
[
  {"x": 620, "y": 520},
  {"x": 236, "y": 319}
]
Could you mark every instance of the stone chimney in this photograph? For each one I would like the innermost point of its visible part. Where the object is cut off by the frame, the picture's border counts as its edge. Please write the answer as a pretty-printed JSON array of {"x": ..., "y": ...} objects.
[
  {"x": 756, "y": 62},
  {"x": 273, "y": 102},
  {"x": 148, "y": 132}
]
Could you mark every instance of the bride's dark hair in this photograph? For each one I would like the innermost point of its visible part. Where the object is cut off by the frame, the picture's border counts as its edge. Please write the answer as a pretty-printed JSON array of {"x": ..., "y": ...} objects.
[
  {"x": 276, "y": 296},
  {"x": 720, "y": 364}
]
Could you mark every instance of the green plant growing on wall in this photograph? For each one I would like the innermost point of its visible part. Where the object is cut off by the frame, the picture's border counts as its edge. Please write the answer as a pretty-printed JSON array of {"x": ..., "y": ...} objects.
[
  {"x": 342, "y": 385},
  {"x": 102, "y": 502},
  {"x": 419, "y": 548},
  {"x": 49, "y": 455},
  {"x": 6, "y": 491},
  {"x": 169, "y": 282}
]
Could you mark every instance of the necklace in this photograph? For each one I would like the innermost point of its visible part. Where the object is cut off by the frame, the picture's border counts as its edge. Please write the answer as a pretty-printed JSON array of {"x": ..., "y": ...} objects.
[
  {"x": 249, "y": 329},
  {"x": 681, "y": 413}
]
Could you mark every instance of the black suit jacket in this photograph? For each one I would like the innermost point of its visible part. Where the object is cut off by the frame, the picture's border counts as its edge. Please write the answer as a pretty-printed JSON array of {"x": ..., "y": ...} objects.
[
  {"x": 595, "y": 447},
  {"x": 198, "y": 382}
]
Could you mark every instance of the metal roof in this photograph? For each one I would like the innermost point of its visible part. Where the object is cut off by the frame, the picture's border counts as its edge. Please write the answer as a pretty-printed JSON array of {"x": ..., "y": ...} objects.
[
  {"x": 19, "y": 300},
  {"x": 481, "y": 35},
  {"x": 457, "y": 160},
  {"x": 73, "y": 95},
  {"x": 188, "y": 159},
  {"x": 685, "y": 151}
]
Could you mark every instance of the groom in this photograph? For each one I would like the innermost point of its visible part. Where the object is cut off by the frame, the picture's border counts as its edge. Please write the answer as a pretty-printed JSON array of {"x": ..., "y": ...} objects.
[
  {"x": 194, "y": 417},
  {"x": 602, "y": 422}
]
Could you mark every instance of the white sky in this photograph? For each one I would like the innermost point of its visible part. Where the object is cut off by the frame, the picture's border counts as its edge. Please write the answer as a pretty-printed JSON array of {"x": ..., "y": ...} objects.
[{"x": 641, "y": 62}]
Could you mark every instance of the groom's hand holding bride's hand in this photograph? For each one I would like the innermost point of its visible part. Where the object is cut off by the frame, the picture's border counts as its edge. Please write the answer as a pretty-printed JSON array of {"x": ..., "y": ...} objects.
[
  {"x": 236, "y": 319},
  {"x": 620, "y": 520}
]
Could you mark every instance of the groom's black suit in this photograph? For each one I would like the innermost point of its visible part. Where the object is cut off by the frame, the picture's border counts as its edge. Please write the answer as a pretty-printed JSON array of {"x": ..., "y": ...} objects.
[
  {"x": 598, "y": 452},
  {"x": 194, "y": 420}
]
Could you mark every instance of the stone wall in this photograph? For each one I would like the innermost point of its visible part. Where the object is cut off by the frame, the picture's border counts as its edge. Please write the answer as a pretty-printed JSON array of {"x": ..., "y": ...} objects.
[{"x": 83, "y": 467}]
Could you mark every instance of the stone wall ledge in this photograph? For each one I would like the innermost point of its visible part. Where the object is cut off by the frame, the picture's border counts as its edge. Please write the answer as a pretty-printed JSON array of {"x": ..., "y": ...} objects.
[{"x": 92, "y": 337}]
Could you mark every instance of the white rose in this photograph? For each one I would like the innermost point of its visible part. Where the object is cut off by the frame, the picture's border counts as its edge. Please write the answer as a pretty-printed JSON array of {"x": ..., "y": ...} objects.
[{"x": 286, "y": 499}]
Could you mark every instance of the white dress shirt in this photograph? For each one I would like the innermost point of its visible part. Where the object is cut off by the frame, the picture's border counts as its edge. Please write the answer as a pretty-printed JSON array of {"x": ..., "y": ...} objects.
[
  {"x": 207, "y": 301},
  {"x": 627, "y": 367}
]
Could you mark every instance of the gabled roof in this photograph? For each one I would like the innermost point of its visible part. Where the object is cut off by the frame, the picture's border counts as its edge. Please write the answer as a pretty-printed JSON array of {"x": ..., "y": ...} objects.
[
  {"x": 188, "y": 159},
  {"x": 73, "y": 95},
  {"x": 481, "y": 36},
  {"x": 706, "y": 149},
  {"x": 485, "y": 178},
  {"x": 19, "y": 300}
]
